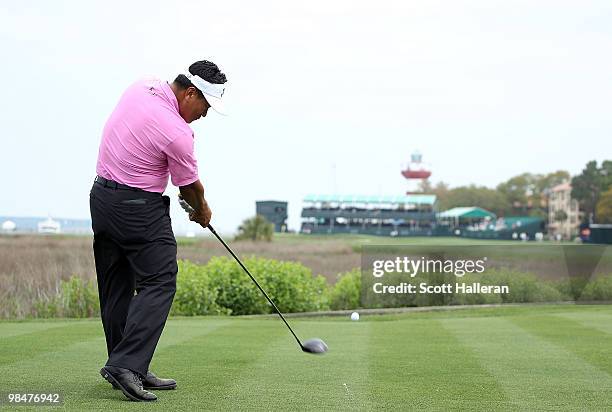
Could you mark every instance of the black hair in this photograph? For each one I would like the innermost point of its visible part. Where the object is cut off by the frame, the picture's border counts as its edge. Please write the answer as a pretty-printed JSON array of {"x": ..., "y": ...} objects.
[{"x": 206, "y": 70}]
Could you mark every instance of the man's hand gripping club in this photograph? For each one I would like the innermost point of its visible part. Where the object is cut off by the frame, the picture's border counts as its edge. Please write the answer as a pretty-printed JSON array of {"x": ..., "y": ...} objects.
[{"x": 192, "y": 201}]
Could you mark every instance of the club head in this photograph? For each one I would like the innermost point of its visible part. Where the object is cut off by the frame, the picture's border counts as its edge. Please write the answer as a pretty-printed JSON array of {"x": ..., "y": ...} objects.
[{"x": 315, "y": 345}]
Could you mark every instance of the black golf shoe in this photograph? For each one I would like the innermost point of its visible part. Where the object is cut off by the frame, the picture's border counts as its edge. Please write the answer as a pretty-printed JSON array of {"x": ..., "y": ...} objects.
[
  {"x": 153, "y": 382},
  {"x": 129, "y": 382}
]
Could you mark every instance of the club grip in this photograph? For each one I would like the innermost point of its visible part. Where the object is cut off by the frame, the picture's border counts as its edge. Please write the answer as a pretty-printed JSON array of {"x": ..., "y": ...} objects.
[{"x": 186, "y": 206}]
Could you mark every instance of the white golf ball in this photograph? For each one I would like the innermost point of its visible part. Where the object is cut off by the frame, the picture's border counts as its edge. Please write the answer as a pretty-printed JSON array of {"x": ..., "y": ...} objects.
[{"x": 354, "y": 316}]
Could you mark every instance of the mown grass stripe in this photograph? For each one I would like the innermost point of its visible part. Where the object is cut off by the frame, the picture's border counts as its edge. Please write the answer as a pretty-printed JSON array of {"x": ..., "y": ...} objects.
[
  {"x": 418, "y": 364},
  {"x": 178, "y": 331},
  {"x": 73, "y": 370},
  {"x": 10, "y": 329},
  {"x": 206, "y": 367},
  {"x": 183, "y": 352},
  {"x": 337, "y": 380},
  {"x": 534, "y": 373},
  {"x": 589, "y": 344},
  {"x": 598, "y": 320},
  {"x": 28, "y": 345},
  {"x": 68, "y": 369}
]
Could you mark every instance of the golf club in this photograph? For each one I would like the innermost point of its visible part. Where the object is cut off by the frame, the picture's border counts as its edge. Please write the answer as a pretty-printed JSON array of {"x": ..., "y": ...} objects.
[{"x": 314, "y": 345}]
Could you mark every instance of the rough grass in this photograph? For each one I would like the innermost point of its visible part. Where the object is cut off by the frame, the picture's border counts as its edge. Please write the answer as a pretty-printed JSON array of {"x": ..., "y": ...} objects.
[{"x": 517, "y": 358}]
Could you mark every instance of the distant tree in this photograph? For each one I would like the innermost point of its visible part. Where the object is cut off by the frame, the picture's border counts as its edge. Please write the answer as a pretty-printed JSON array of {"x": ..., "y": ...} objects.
[
  {"x": 538, "y": 212},
  {"x": 547, "y": 182},
  {"x": 472, "y": 195},
  {"x": 255, "y": 229},
  {"x": 524, "y": 194},
  {"x": 560, "y": 216},
  {"x": 517, "y": 190},
  {"x": 527, "y": 193},
  {"x": 425, "y": 186},
  {"x": 441, "y": 192},
  {"x": 588, "y": 186},
  {"x": 603, "y": 210}
]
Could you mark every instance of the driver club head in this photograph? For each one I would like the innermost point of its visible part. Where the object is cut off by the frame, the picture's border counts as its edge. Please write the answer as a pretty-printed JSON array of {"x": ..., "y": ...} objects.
[{"x": 315, "y": 345}]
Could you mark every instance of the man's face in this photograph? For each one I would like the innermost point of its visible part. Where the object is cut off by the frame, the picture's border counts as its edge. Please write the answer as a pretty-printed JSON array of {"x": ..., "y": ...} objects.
[{"x": 192, "y": 105}]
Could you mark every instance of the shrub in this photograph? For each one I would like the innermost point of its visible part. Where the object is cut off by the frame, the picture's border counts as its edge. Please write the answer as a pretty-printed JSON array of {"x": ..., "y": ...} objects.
[
  {"x": 523, "y": 287},
  {"x": 234, "y": 289},
  {"x": 194, "y": 294},
  {"x": 598, "y": 289},
  {"x": 47, "y": 305},
  {"x": 290, "y": 284},
  {"x": 80, "y": 298},
  {"x": 219, "y": 287},
  {"x": 73, "y": 298},
  {"x": 571, "y": 288},
  {"x": 346, "y": 293},
  {"x": 255, "y": 228}
]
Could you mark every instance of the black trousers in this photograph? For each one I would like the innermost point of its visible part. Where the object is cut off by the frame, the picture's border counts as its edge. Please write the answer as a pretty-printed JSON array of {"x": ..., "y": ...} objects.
[{"x": 135, "y": 257}]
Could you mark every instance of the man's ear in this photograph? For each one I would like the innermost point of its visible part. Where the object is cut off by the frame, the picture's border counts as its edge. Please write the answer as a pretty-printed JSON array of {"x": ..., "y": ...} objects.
[{"x": 191, "y": 91}]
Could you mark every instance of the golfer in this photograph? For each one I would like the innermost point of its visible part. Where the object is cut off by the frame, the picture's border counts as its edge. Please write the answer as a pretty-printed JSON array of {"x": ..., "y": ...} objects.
[{"x": 146, "y": 139}]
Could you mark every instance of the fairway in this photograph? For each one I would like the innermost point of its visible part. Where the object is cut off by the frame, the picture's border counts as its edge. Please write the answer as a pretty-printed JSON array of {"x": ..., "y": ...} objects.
[{"x": 510, "y": 358}]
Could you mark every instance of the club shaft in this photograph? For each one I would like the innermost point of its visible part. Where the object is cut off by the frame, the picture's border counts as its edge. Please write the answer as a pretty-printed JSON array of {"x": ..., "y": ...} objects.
[{"x": 214, "y": 232}]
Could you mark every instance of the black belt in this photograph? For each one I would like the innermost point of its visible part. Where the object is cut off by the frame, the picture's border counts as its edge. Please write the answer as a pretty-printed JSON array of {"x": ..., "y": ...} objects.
[{"x": 114, "y": 185}]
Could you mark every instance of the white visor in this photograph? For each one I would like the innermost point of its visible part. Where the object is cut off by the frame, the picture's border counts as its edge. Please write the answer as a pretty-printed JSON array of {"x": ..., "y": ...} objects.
[{"x": 211, "y": 91}]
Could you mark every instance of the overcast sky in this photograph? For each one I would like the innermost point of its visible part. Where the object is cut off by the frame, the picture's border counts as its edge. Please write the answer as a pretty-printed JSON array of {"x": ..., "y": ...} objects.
[{"x": 325, "y": 96}]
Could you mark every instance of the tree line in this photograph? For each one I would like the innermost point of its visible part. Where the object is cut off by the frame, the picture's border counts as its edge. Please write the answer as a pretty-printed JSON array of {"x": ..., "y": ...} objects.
[{"x": 527, "y": 194}]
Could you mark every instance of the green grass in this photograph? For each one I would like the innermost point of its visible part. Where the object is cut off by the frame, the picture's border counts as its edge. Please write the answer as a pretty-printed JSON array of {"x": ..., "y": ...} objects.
[
  {"x": 386, "y": 240},
  {"x": 357, "y": 240},
  {"x": 511, "y": 358}
]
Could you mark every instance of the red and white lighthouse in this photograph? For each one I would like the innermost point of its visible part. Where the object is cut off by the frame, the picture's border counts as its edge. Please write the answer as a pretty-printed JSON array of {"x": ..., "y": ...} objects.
[{"x": 415, "y": 172}]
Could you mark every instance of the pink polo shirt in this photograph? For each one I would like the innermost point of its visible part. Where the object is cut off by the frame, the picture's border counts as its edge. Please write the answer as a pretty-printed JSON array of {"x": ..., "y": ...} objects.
[{"x": 145, "y": 140}]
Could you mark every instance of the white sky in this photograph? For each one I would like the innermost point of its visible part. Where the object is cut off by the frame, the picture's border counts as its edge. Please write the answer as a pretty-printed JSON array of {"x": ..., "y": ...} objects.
[{"x": 484, "y": 89}]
